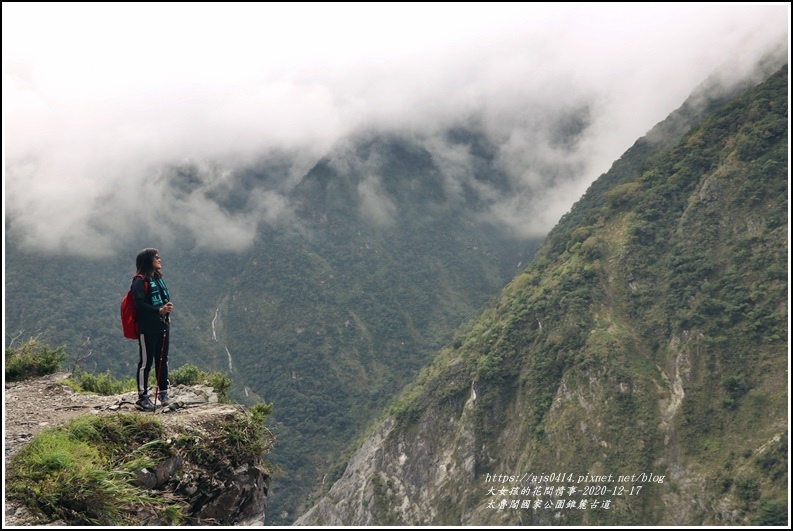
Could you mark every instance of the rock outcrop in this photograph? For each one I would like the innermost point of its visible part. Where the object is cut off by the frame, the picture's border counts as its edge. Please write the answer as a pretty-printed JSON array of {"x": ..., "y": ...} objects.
[{"x": 221, "y": 492}]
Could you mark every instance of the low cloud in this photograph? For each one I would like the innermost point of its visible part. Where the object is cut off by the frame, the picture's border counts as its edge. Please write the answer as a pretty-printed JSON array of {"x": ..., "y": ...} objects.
[
  {"x": 375, "y": 205},
  {"x": 102, "y": 101}
]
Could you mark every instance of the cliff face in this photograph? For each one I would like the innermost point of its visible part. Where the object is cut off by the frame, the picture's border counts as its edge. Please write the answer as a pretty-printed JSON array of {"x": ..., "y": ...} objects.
[
  {"x": 204, "y": 475},
  {"x": 633, "y": 374}
]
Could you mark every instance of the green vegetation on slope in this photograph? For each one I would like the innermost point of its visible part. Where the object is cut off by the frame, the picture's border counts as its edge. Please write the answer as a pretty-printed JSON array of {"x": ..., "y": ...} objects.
[
  {"x": 331, "y": 322},
  {"x": 648, "y": 335}
]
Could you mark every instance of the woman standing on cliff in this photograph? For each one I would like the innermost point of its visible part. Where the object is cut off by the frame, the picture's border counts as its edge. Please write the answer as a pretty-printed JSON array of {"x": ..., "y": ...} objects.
[{"x": 153, "y": 309}]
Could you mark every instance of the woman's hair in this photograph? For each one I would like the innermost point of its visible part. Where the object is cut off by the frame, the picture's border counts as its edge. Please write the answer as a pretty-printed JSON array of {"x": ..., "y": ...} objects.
[{"x": 144, "y": 263}]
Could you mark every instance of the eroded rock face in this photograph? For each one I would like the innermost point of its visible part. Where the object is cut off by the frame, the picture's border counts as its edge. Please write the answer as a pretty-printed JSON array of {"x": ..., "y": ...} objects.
[
  {"x": 241, "y": 498},
  {"x": 217, "y": 493},
  {"x": 403, "y": 478}
]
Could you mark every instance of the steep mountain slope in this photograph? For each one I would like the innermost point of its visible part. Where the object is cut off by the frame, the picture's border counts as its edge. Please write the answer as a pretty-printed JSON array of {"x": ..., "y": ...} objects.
[
  {"x": 633, "y": 374},
  {"x": 331, "y": 321}
]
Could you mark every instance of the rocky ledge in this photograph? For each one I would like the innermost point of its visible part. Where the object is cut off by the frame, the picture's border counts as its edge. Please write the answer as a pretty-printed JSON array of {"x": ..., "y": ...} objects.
[{"x": 219, "y": 493}]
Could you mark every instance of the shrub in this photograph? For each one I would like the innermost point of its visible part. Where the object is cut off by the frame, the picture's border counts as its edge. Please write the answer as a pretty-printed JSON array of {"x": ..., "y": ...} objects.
[
  {"x": 190, "y": 375},
  {"x": 622, "y": 194},
  {"x": 186, "y": 375},
  {"x": 101, "y": 384},
  {"x": 32, "y": 360},
  {"x": 221, "y": 384},
  {"x": 237, "y": 439}
]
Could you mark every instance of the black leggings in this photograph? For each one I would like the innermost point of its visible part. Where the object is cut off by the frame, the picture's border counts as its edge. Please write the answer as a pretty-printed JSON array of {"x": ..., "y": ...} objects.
[{"x": 153, "y": 348}]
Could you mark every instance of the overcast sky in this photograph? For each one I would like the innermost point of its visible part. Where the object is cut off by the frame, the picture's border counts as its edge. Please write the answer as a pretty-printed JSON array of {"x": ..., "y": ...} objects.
[{"x": 97, "y": 97}]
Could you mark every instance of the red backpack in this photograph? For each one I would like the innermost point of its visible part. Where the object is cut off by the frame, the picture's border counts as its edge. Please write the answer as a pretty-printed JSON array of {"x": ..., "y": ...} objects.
[{"x": 129, "y": 325}]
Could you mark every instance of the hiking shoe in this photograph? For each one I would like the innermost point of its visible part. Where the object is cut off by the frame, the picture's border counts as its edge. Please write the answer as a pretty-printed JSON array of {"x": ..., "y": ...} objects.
[
  {"x": 162, "y": 398},
  {"x": 144, "y": 404}
]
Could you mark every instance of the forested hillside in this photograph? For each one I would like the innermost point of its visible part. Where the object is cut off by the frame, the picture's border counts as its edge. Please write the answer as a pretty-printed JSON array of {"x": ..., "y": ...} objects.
[
  {"x": 635, "y": 373},
  {"x": 331, "y": 322},
  {"x": 328, "y": 316}
]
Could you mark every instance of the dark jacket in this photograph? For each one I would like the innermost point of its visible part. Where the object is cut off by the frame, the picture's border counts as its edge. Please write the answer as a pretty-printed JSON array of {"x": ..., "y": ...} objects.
[{"x": 148, "y": 303}]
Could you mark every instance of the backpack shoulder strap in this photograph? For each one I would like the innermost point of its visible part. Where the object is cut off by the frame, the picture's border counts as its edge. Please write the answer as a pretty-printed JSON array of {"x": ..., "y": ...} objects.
[{"x": 145, "y": 284}]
